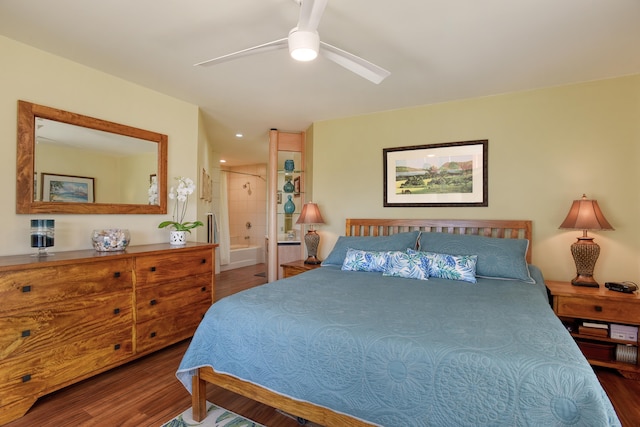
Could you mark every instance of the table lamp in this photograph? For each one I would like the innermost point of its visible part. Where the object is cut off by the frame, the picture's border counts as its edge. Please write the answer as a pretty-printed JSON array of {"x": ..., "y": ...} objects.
[
  {"x": 584, "y": 215},
  {"x": 311, "y": 215}
]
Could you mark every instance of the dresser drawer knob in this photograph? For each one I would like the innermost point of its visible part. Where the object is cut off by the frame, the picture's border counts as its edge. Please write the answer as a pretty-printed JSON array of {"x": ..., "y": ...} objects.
[
  {"x": 116, "y": 274},
  {"x": 204, "y": 261},
  {"x": 203, "y": 289},
  {"x": 26, "y": 378},
  {"x": 153, "y": 268},
  {"x": 598, "y": 308},
  {"x": 116, "y": 347},
  {"x": 26, "y": 333},
  {"x": 116, "y": 311},
  {"x": 153, "y": 302},
  {"x": 26, "y": 289},
  {"x": 153, "y": 335}
]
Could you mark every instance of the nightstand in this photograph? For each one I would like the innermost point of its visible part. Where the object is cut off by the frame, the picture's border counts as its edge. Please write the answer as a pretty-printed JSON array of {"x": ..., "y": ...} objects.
[
  {"x": 293, "y": 268},
  {"x": 605, "y": 311}
]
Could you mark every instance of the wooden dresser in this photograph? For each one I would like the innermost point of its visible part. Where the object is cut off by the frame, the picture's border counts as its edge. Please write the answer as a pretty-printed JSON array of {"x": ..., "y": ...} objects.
[{"x": 69, "y": 316}]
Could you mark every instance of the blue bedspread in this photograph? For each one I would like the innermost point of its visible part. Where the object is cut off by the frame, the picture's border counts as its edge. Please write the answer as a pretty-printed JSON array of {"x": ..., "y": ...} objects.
[{"x": 403, "y": 352}]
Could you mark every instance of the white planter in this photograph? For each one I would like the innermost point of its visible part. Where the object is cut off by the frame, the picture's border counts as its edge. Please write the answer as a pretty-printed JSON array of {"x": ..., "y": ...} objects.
[{"x": 177, "y": 238}]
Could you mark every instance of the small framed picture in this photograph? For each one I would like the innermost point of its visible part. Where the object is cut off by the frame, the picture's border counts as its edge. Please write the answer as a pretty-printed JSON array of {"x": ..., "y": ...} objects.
[
  {"x": 67, "y": 188},
  {"x": 296, "y": 186}
]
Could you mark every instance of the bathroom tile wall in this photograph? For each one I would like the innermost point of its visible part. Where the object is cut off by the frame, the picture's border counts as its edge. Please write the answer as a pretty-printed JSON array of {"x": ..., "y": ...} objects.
[{"x": 247, "y": 191}]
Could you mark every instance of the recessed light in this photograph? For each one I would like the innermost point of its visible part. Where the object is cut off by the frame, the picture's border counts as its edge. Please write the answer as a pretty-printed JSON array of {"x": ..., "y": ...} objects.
[
  {"x": 239, "y": 135},
  {"x": 223, "y": 161}
]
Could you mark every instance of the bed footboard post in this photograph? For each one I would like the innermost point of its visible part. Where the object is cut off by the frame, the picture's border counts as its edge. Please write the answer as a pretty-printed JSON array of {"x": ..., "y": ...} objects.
[{"x": 199, "y": 397}]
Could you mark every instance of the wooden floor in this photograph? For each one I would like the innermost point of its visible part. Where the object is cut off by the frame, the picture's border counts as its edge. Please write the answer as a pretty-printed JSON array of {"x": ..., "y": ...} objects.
[{"x": 146, "y": 392}]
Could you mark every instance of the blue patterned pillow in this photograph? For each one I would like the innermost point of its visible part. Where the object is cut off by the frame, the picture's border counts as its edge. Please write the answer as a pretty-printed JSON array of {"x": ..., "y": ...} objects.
[
  {"x": 453, "y": 267},
  {"x": 359, "y": 260},
  {"x": 408, "y": 265}
]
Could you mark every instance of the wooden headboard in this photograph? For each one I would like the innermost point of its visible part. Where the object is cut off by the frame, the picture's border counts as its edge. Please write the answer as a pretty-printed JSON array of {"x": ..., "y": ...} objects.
[{"x": 503, "y": 229}]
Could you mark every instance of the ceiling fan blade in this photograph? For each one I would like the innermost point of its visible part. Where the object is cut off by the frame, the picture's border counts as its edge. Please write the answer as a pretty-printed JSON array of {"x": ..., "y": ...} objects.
[
  {"x": 266, "y": 47},
  {"x": 310, "y": 14},
  {"x": 355, "y": 64}
]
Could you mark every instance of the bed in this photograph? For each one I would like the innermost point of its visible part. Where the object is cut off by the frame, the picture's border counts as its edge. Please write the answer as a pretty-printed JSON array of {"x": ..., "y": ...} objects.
[{"x": 408, "y": 322}]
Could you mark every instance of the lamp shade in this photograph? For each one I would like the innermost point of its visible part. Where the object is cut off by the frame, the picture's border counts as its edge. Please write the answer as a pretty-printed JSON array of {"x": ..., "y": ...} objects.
[
  {"x": 310, "y": 214},
  {"x": 585, "y": 214}
]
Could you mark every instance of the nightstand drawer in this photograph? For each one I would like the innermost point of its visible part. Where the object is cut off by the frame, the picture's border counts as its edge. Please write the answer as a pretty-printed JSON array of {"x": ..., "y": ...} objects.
[
  {"x": 293, "y": 271},
  {"x": 598, "y": 309},
  {"x": 294, "y": 268}
]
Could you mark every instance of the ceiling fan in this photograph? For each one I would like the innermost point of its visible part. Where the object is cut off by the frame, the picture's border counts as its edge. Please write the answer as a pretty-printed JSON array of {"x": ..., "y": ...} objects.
[{"x": 304, "y": 45}]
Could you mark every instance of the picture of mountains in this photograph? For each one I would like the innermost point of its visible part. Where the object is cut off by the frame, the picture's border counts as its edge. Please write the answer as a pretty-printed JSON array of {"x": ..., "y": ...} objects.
[{"x": 437, "y": 176}]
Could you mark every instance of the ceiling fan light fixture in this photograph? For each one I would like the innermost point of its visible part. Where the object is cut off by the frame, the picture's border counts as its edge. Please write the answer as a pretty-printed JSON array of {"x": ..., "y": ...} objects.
[{"x": 304, "y": 45}]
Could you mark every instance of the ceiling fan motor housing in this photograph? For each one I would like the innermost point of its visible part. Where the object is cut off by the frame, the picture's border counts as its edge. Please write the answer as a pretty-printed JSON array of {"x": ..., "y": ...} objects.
[{"x": 303, "y": 45}]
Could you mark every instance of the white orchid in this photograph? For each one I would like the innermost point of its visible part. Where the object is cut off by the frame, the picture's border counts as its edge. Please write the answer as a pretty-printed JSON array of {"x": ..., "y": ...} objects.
[
  {"x": 153, "y": 192},
  {"x": 181, "y": 194}
]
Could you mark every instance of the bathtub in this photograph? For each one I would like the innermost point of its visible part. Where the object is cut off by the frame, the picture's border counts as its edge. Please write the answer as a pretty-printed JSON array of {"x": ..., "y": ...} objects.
[{"x": 244, "y": 256}]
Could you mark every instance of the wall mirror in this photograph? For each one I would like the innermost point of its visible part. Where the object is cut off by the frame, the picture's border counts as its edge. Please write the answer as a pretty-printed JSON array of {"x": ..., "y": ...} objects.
[{"x": 70, "y": 163}]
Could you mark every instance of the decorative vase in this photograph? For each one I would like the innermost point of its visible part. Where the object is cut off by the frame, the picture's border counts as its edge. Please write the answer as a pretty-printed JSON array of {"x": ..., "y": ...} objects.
[
  {"x": 42, "y": 235},
  {"x": 177, "y": 238},
  {"x": 289, "y": 165},
  {"x": 289, "y": 206},
  {"x": 288, "y": 186}
]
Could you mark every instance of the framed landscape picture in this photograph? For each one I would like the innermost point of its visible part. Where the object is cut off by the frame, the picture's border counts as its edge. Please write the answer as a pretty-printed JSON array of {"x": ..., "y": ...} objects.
[
  {"x": 66, "y": 188},
  {"x": 447, "y": 174}
]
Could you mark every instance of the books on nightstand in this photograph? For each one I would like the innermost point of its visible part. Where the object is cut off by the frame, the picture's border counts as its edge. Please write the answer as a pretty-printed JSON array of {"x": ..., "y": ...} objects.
[
  {"x": 594, "y": 329},
  {"x": 596, "y": 332},
  {"x": 596, "y": 325},
  {"x": 615, "y": 331}
]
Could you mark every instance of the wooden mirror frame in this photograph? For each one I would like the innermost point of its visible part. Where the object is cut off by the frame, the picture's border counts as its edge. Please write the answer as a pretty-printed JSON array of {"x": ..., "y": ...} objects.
[{"x": 27, "y": 113}]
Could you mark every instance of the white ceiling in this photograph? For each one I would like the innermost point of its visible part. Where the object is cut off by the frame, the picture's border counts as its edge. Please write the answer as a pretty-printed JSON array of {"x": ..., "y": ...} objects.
[{"x": 436, "y": 50}]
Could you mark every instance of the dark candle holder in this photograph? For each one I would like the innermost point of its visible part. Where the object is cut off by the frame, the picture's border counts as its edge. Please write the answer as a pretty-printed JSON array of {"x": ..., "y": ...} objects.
[{"x": 42, "y": 235}]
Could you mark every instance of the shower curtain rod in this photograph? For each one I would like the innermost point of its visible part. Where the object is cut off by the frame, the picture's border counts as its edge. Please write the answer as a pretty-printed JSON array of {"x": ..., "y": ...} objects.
[{"x": 244, "y": 173}]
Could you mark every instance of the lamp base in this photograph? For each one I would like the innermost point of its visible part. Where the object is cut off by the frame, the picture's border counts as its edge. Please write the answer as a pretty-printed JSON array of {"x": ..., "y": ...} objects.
[
  {"x": 584, "y": 280},
  {"x": 312, "y": 239},
  {"x": 585, "y": 254}
]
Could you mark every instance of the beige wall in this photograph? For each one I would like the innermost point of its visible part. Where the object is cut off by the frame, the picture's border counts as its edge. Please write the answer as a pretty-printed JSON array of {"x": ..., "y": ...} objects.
[
  {"x": 546, "y": 148},
  {"x": 33, "y": 75},
  {"x": 135, "y": 177}
]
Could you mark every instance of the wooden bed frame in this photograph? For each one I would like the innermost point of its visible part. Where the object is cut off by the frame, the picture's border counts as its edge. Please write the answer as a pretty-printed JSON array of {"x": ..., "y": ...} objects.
[{"x": 506, "y": 229}]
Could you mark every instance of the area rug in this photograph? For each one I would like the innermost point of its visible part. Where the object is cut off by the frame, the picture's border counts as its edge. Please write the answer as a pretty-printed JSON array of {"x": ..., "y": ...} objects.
[{"x": 216, "y": 417}]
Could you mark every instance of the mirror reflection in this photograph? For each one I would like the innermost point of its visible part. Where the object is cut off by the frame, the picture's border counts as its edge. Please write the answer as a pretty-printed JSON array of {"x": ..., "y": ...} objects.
[{"x": 77, "y": 164}]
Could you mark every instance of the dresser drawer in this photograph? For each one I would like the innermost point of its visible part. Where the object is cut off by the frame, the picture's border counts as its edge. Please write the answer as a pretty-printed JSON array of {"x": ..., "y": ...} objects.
[
  {"x": 162, "y": 300},
  {"x": 72, "y": 320},
  {"x": 609, "y": 310},
  {"x": 43, "y": 286},
  {"x": 44, "y": 371},
  {"x": 151, "y": 270},
  {"x": 176, "y": 326}
]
